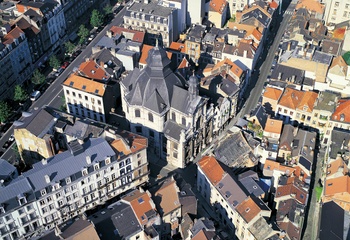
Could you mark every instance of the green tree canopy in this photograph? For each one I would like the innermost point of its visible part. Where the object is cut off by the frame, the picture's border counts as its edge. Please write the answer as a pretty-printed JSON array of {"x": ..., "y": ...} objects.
[
  {"x": 108, "y": 9},
  {"x": 96, "y": 19},
  {"x": 38, "y": 78},
  {"x": 69, "y": 47},
  {"x": 82, "y": 33},
  {"x": 54, "y": 62},
  {"x": 20, "y": 94},
  {"x": 5, "y": 111}
]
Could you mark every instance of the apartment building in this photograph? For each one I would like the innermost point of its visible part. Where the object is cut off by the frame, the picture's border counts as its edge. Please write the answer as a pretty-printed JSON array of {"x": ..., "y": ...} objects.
[
  {"x": 336, "y": 11},
  {"x": 15, "y": 61},
  {"x": 195, "y": 12},
  {"x": 218, "y": 12},
  {"x": 67, "y": 184},
  {"x": 52, "y": 16},
  {"x": 243, "y": 215},
  {"x": 89, "y": 98},
  {"x": 157, "y": 21}
]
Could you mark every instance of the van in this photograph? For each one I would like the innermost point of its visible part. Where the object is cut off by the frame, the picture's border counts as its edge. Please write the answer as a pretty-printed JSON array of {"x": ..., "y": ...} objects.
[{"x": 35, "y": 95}]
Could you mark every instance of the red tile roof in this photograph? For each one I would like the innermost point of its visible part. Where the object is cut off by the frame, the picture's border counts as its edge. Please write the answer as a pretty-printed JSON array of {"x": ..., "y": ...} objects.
[
  {"x": 169, "y": 196},
  {"x": 342, "y": 112},
  {"x": 91, "y": 69},
  {"x": 272, "y": 93},
  {"x": 273, "y": 126},
  {"x": 248, "y": 209},
  {"x": 136, "y": 36},
  {"x": 12, "y": 35},
  {"x": 337, "y": 185},
  {"x": 212, "y": 169},
  {"x": 218, "y": 5},
  {"x": 85, "y": 85},
  {"x": 144, "y": 53},
  {"x": 140, "y": 203},
  {"x": 176, "y": 46}
]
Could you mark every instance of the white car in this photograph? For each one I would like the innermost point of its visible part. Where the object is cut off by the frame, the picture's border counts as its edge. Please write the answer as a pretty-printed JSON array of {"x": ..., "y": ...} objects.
[
  {"x": 59, "y": 71},
  {"x": 35, "y": 95}
]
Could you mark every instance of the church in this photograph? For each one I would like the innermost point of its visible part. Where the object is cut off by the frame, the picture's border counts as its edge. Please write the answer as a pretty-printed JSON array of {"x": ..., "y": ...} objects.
[{"x": 167, "y": 109}]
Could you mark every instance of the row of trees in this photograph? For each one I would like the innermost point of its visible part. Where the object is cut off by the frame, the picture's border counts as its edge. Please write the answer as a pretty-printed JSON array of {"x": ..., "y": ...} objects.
[{"x": 38, "y": 78}]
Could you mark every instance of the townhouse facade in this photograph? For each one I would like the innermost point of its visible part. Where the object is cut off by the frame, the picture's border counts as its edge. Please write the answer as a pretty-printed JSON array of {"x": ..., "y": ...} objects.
[
  {"x": 157, "y": 21},
  {"x": 89, "y": 98},
  {"x": 218, "y": 12},
  {"x": 15, "y": 60},
  {"x": 56, "y": 190},
  {"x": 336, "y": 11}
]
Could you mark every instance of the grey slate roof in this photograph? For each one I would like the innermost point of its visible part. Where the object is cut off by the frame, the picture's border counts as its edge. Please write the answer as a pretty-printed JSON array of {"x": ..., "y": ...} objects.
[
  {"x": 249, "y": 180},
  {"x": 260, "y": 113},
  {"x": 231, "y": 191},
  {"x": 18, "y": 187},
  {"x": 125, "y": 221},
  {"x": 256, "y": 14},
  {"x": 229, "y": 87},
  {"x": 182, "y": 101},
  {"x": 326, "y": 101},
  {"x": 83, "y": 130},
  {"x": 340, "y": 142},
  {"x": 38, "y": 123},
  {"x": 288, "y": 208},
  {"x": 287, "y": 137},
  {"x": 322, "y": 57},
  {"x": 285, "y": 73},
  {"x": 233, "y": 150},
  {"x": 202, "y": 223},
  {"x": 334, "y": 222},
  {"x": 260, "y": 229},
  {"x": 65, "y": 165},
  {"x": 6, "y": 169},
  {"x": 152, "y": 87},
  {"x": 304, "y": 145},
  {"x": 173, "y": 130},
  {"x": 149, "y": 9}
]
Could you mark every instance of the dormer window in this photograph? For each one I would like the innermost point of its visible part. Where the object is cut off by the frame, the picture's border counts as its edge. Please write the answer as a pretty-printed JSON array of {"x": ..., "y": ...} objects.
[
  {"x": 68, "y": 181},
  {"x": 96, "y": 166},
  {"x": 2, "y": 210},
  {"x": 43, "y": 192},
  {"x": 22, "y": 200},
  {"x": 108, "y": 161},
  {"x": 342, "y": 117},
  {"x": 85, "y": 172}
]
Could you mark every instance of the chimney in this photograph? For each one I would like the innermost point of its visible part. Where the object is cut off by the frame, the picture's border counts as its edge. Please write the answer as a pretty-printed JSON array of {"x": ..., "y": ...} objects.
[
  {"x": 245, "y": 52},
  {"x": 88, "y": 159},
  {"x": 2, "y": 183},
  {"x": 279, "y": 75},
  {"x": 47, "y": 178},
  {"x": 44, "y": 161},
  {"x": 288, "y": 48},
  {"x": 109, "y": 33}
]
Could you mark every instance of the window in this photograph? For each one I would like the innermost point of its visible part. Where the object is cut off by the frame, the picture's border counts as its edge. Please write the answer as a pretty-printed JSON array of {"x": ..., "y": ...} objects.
[
  {"x": 99, "y": 102},
  {"x": 43, "y": 192},
  {"x": 150, "y": 117},
  {"x": 137, "y": 113},
  {"x": 138, "y": 155},
  {"x": 151, "y": 133},
  {"x": 79, "y": 95},
  {"x": 173, "y": 116},
  {"x": 68, "y": 180},
  {"x": 67, "y": 92},
  {"x": 138, "y": 129},
  {"x": 175, "y": 154},
  {"x": 86, "y": 98},
  {"x": 22, "y": 200},
  {"x": 128, "y": 161},
  {"x": 183, "y": 121},
  {"x": 42, "y": 202},
  {"x": 175, "y": 146},
  {"x": 85, "y": 172}
]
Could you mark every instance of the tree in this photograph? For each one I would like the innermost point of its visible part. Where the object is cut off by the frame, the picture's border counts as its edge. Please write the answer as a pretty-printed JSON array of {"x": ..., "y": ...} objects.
[
  {"x": 38, "y": 78},
  {"x": 108, "y": 9},
  {"x": 54, "y": 62},
  {"x": 96, "y": 18},
  {"x": 5, "y": 111},
  {"x": 69, "y": 47},
  {"x": 20, "y": 94},
  {"x": 82, "y": 33}
]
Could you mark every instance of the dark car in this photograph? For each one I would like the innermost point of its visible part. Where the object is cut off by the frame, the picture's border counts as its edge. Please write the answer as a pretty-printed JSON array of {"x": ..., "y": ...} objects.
[
  {"x": 76, "y": 54},
  {"x": 6, "y": 145}
]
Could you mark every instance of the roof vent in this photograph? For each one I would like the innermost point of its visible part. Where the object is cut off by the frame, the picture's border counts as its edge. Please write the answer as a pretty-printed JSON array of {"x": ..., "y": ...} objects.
[
  {"x": 47, "y": 178},
  {"x": 44, "y": 161},
  {"x": 88, "y": 159}
]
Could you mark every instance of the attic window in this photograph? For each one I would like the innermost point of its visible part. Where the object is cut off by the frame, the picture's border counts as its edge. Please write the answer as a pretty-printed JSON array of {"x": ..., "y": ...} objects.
[
  {"x": 247, "y": 209},
  {"x": 2, "y": 210},
  {"x": 221, "y": 185},
  {"x": 84, "y": 87},
  {"x": 96, "y": 91},
  {"x": 71, "y": 84},
  {"x": 255, "y": 187},
  {"x": 140, "y": 200},
  {"x": 227, "y": 194}
]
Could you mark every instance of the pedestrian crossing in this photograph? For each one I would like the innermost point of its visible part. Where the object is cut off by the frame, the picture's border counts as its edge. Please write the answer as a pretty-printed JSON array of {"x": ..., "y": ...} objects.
[{"x": 289, "y": 12}]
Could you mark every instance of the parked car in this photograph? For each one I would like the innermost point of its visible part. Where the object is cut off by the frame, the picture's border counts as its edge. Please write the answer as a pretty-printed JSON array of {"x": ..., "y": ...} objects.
[
  {"x": 76, "y": 54},
  {"x": 12, "y": 138},
  {"x": 35, "y": 95},
  {"x": 58, "y": 72},
  {"x": 6, "y": 145},
  {"x": 92, "y": 36},
  {"x": 65, "y": 65}
]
